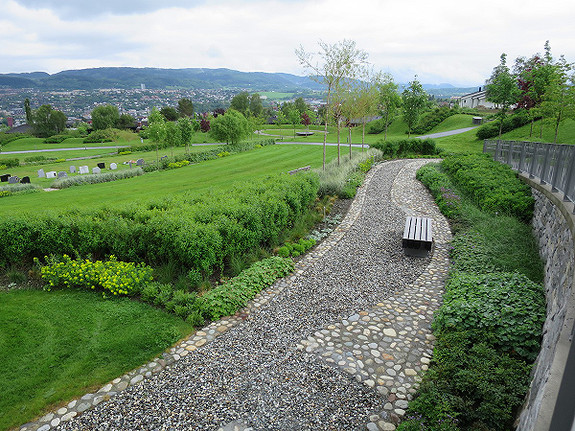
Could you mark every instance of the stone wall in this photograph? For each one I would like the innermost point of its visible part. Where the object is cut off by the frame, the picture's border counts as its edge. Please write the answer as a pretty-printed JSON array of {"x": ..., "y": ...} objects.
[{"x": 554, "y": 228}]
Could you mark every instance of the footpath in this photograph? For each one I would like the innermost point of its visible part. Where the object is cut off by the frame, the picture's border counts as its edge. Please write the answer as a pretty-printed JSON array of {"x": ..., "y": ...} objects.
[{"x": 338, "y": 345}]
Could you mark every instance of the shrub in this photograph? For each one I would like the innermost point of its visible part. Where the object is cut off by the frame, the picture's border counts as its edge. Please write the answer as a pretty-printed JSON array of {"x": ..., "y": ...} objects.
[
  {"x": 223, "y": 154},
  {"x": 124, "y": 153},
  {"x": 509, "y": 307},
  {"x": 177, "y": 165},
  {"x": 11, "y": 163},
  {"x": 226, "y": 299},
  {"x": 5, "y": 193},
  {"x": 491, "y": 130},
  {"x": 432, "y": 119},
  {"x": 492, "y": 185},
  {"x": 6, "y": 138},
  {"x": 471, "y": 386},
  {"x": 105, "y": 135},
  {"x": 105, "y": 177},
  {"x": 35, "y": 159},
  {"x": 56, "y": 139},
  {"x": 118, "y": 278},
  {"x": 2, "y": 167}
]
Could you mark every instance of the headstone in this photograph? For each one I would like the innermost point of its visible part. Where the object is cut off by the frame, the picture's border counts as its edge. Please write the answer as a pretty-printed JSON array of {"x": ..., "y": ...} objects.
[
  {"x": 84, "y": 170},
  {"x": 25, "y": 180},
  {"x": 102, "y": 165},
  {"x": 140, "y": 162},
  {"x": 96, "y": 170},
  {"x": 4, "y": 178},
  {"x": 41, "y": 173},
  {"x": 113, "y": 166},
  {"x": 72, "y": 169},
  {"x": 13, "y": 180},
  {"x": 51, "y": 174},
  {"x": 62, "y": 174}
]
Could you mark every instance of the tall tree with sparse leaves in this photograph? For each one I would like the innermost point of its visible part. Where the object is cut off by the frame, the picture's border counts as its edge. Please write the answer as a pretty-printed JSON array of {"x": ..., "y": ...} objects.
[
  {"x": 389, "y": 100},
  {"x": 336, "y": 62},
  {"x": 414, "y": 100},
  {"x": 502, "y": 89}
]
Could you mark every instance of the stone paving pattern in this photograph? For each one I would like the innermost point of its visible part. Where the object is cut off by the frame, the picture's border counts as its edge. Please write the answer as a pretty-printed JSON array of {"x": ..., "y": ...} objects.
[{"x": 337, "y": 345}]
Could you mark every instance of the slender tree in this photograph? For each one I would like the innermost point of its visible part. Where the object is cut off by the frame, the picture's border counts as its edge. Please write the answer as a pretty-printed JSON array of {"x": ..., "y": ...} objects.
[
  {"x": 185, "y": 107},
  {"x": 336, "y": 62},
  {"x": 559, "y": 98},
  {"x": 389, "y": 100},
  {"x": 414, "y": 101},
  {"x": 28, "y": 111},
  {"x": 502, "y": 89}
]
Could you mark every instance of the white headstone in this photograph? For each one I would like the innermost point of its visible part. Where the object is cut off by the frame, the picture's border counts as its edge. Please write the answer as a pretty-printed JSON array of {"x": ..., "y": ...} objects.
[
  {"x": 84, "y": 170},
  {"x": 113, "y": 166},
  {"x": 51, "y": 174},
  {"x": 41, "y": 173},
  {"x": 72, "y": 169},
  {"x": 96, "y": 170}
]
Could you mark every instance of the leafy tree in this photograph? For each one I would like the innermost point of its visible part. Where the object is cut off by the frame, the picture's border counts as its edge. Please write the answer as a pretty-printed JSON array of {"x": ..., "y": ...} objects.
[
  {"x": 105, "y": 117},
  {"x": 305, "y": 119},
  {"x": 241, "y": 103},
  {"x": 28, "y": 110},
  {"x": 414, "y": 99},
  {"x": 559, "y": 97},
  {"x": 47, "y": 121},
  {"x": 281, "y": 118},
  {"x": 157, "y": 126},
  {"x": 125, "y": 121},
  {"x": 185, "y": 108},
  {"x": 337, "y": 62},
  {"x": 300, "y": 105},
  {"x": 230, "y": 127},
  {"x": 169, "y": 113},
  {"x": 173, "y": 135},
  {"x": 389, "y": 100},
  {"x": 255, "y": 108},
  {"x": 502, "y": 89},
  {"x": 294, "y": 117},
  {"x": 365, "y": 98},
  {"x": 311, "y": 115},
  {"x": 205, "y": 123}
]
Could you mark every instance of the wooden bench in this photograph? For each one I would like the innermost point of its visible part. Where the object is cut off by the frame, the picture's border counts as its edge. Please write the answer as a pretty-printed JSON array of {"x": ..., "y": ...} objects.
[{"x": 417, "y": 236}]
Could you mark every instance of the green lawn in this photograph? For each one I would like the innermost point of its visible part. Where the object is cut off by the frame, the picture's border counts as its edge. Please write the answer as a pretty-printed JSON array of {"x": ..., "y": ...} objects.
[
  {"x": 216, "y": 174},
  {"x": 566, "y": 133},
  {"x": 58, "y": 345}
]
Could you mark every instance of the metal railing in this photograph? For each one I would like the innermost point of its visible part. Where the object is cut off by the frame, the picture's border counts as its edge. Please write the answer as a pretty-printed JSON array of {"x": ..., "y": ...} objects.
[{"x": 553, "y": 164}]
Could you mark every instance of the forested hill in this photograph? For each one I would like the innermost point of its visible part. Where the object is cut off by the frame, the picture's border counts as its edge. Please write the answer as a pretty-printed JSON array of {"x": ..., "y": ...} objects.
[{"x": 128, "y": 77}]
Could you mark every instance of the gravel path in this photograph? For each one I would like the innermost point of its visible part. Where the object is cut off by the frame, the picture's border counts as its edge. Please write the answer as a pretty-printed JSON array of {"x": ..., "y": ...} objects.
[{"x": 258, "y": 374}]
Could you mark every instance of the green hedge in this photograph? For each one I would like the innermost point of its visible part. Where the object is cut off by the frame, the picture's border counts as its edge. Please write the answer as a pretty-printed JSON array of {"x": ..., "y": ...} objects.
[
  {"x": 104, "y": 177},
  {"x": 56, "y": 139},
  {"x": 492, "y": 185},
  {"x": 432, "y": 119},
  {"x": 195, "y": 232},
  {"x": 406, "y": 147},
  {"x": 10, "y": 163},
  {"x": 491, "y": 129}
]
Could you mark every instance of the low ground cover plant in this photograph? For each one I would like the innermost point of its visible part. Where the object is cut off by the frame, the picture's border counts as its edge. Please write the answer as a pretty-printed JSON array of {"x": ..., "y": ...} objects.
[
  {"x": 296, "y": 249},
  {"x": 489, "y": 327}
]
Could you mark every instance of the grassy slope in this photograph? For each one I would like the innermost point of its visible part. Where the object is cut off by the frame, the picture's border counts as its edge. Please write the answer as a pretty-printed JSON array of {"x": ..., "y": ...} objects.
[
  {"x": 57, "y": 345},
  {"x": 566, "y": 133},
  {"x": 218, "y": 174}
]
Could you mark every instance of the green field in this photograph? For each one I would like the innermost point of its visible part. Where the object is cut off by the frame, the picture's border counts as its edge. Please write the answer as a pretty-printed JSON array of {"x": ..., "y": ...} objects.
[
  {"x": 211, "y": 174},
  {"x": 58, "y": 345}
]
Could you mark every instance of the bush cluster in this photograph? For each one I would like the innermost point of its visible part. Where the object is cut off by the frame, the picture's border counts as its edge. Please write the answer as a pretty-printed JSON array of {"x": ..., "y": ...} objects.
[
  {"x": 105, "y": 177},
  {"x": 492, "y": 185},
  {"x": 296, "y": 249},
  {"x": 432, "y": 119},
  {"x": 491, "y": 129},
  {"x": 117, "y": 278},
  {"x": 227, "y": 298},
  {"x": 55, "y": 139},
  {"x": 97, "y": 136},
  {"x": 194, "y": 232},
  {"x": 6, "y": 138},
  {"x": 442, "y": 189},
  {"x": 11, "y": 163},
  {"x": 406, "y": 147}
]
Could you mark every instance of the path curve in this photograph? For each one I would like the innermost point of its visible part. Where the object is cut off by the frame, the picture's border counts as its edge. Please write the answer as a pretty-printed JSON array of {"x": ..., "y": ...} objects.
[
  {"x": 337, "y": 345},
  {"x": 448, "y": 133}
]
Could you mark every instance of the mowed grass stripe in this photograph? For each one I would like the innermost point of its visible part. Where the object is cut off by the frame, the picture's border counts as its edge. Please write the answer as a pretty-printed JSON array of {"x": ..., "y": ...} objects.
[{"x": 213, "y": 174}]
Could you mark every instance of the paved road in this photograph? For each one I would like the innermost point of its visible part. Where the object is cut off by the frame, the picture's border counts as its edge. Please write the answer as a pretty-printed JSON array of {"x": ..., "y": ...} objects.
[{"x": 449, "y": 133}]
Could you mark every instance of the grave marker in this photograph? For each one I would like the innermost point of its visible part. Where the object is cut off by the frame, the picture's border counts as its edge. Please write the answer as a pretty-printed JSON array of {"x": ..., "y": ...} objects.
[
  {"x": 13, "y": 180},
  {"x": 84, "y": 170},
  {"x": 51, "y": 174},
  {"x": 113, "y": 166},
  {"x": 96, "y": 170},
  {"x": 25, "y": 180},
  {"x": 62, "y": 174},
  {"x": 72, "y": 169},
  {"x": 41, "y": 173}
]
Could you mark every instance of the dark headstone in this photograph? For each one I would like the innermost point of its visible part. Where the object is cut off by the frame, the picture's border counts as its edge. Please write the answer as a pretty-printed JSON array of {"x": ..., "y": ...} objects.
[
  {"x": 25, "y": 180},
  {"x": 62, "y": 174},
  {"x": 102, "y": 165},
  {"x": 140, "y": 162},
  {"x": 4, "y": 178}
]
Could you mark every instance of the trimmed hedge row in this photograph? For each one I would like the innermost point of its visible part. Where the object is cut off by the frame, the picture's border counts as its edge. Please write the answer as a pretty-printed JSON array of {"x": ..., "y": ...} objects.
[
  {"x": 196, "y": 232},
  {"x": 491, "y": 129},
  {"x": 406, "y": 147},
  {"x": 492, "y": 185},
  {"x": 105, "y": 177}
]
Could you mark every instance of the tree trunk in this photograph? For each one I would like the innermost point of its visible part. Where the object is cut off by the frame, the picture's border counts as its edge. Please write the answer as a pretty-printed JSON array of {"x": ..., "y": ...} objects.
[
  {"x": 531, "y": 130},
  {"x": 325, "y": 125},
  {"x": 557, "y": 127},
  {"x": 363, "y": 135},
  {"x": 349, "y": 134},
  {"x": 338, "y": 150}
]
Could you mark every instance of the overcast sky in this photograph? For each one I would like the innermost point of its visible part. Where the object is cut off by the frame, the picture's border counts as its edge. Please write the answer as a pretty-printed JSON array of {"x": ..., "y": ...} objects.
[{"x": 453, "y": 41}]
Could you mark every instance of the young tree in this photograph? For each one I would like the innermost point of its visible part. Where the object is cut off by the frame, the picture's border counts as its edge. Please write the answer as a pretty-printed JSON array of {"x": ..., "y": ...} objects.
[
  {"x": 389, "y": 100},
  {"x": 105, "y": 117},
  {"x": 300, "y": 105},
  {"x": 414, "y": 99},
  {"x": 502, "y": 89},
  {"x": 336, "y": 62},
  {"x": 305, "y": 120},
  {"x": 173, "y": 135},
  {"x": 294, "y": 117},
  {"x": 366, "y": 101},
  {"x": 186, "y": 127},
  {"x": 559, "y": 97},
  {"x": 230, "y": 127},
  {"x": 157, "y": 126},
  {"x": 256, "y": 108},
  {"x": 28, "y": 111},
  {"x": 281, "y": 118},
  {"x": 185, "y": 107}
]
